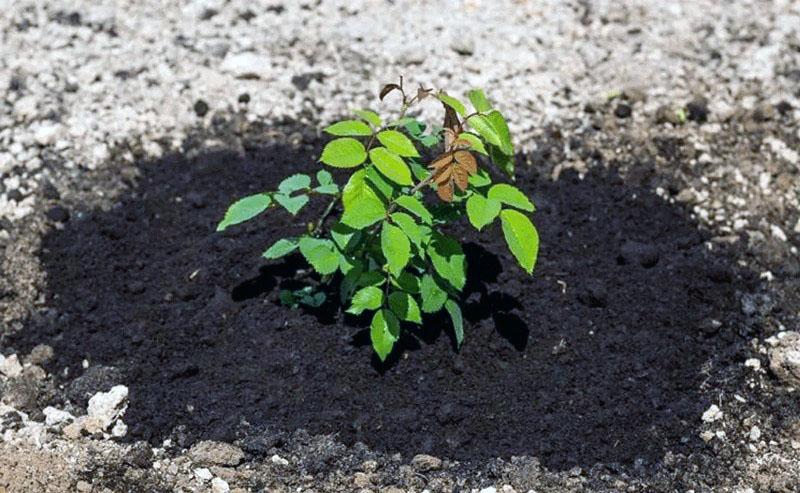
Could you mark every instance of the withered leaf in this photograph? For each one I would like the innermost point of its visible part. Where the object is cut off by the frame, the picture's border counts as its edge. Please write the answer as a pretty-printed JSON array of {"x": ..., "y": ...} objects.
[
  {"x": 452, "y": 126},
  {"x": 441, "y": 161},
  {"x": 460, "y": 177},
  {"x": 451, "y": 170},
  {"x": 387, "y": 89},
  {"x": 445, "y": 191},
  {"x": 466, "y": 160}
]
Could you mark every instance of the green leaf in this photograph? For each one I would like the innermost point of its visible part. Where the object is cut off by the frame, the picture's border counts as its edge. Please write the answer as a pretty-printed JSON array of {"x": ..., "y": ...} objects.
[
  {"x": 419, "y": 170},
  {"x": 245, "y": 209},
  {"x": 479, "y": 100},
  {"x": 410, "y": 227},
  {"x": 480, "y": 179},
  {"x": 448, "y": 260},
  {"x": 414, "y": 206},
  {"x": 326, "y": 184},
  {"x": 504, "y": 162},
  {"x": 384, "y": 332},
  {"x": 371, "y": 278},
  {"x": 475, "y": 142},
  {"x": 346, "y": 152},
  {"x": 349, "y": 127},
  {"x": 383, "y": 187},
  {"x": 458, "y": 321},
  {"x": 391, "y": 165},
  {"x": 484, "y": 128},
  {"x": 407, "y": 282},
  {"x": 453, "y": 103},
  {"x": 362, "y": 206},
  {"x": 501, "y": 127},
  {"x": 405, "y": 307},
  {"x": 395, "y": 247},
  {"x": 350, "y": 281},
  {"x": 521, "y": 237},
  {"x": 482, "y": 211},
  {"x": 369, "y": 298},
  {"x": 369, "y": 116},
  {"x": 294, "y": 183},
  {"x": 430, "y": 140},
  {"x": 511, "y": 195},
  {"x": 291, "y": 204},
  {"x": 321, "y": 254},
  {"x": 280, "y": 248},
  {"x": 397, "y": 143},
  {"x": 433, "y": 296},
  {"x": 344, "y": 236}
]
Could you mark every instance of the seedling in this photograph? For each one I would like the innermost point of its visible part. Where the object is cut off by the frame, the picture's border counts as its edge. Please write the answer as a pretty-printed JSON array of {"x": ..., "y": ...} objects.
[{"x": 388, "y": 247}]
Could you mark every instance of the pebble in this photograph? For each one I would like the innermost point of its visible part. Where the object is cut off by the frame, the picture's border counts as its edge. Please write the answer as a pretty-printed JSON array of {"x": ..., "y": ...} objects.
[
  {"x": 219, "y": 485},
  {"x": 40, "y": 354},
  {"x": 247, "y": 65},
  {"x": 623, "y": 110},
  {"x": 55, "y": 416},
  {"x": 463, "y": 45},
  {"x": 216, "y": 453},
  {"x": 203, "y": 474},
  {"x": 106, "y": 407},
  {"x": 10, "y": 366},
  {"x": 424, "y": 463},
  {"x": 784, "y": 358},
  {"x": 713, "y": 413},
  {"x": 279, "y": 461},
  {"x": 755, "y": 434}
]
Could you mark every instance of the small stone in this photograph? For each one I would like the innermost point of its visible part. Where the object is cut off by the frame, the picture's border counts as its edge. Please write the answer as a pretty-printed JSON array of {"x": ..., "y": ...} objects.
[
  {"x": 361, "y": 480},
  {"x": 106, "y": 407},
  {"x": 667, "y": 114},
  {"x": 713, "y": 413},
  {"x": 490, "y": 489},
  {"x": 216, "y": 453},
  {"x": 74, "y": 430},
  {"x": 40, "y": 354},
  {"x": 203, "y": 474},
  {"x": 634, "y": 94},
  {"x": 219, "y": 485},
  {"x": 707, "y": 436},
  {"x": 53, "y": 416},
  {"x": 10, "y": 366},
  {"x": 200, "y": 108},
  {"x": 48, "y": 134},
  {"x": 83, "y": 487},
  {"x": 623, "y": 110},
  {"x": 463, "y": 46},
  {"x": 784, "y": 358},
  {"x": 120, "y": 429},
  {"x": 58, "y": 214},
  {"x": 279, "y": 461},
  {"x": 246, "y": 65},
  {"x": 243, "y": 98},
  {"x": 753, "y": 363},
  {"x": 755, "y": 434},
  {"x": 424, "y": 462}
]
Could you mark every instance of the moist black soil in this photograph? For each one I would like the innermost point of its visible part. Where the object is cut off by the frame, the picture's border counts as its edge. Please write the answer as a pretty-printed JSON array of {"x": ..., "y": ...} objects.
[{"x": 599, "y": 357}]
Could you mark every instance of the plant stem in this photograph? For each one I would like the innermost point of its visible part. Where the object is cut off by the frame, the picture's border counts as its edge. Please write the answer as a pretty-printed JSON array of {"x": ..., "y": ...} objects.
[{"x": 325, "y": 214}]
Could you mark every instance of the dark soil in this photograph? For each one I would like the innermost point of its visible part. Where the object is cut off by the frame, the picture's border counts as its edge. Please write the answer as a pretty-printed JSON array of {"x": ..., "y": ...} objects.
[{"x": 599, "y": 357}]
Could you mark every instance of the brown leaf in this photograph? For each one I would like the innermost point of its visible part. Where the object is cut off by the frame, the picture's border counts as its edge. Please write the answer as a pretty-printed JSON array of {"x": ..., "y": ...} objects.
[
  {"x": 467, "y": 161},
  {"x": 460, "y": 177},
  {"x": 452, "y": 126},
  {"x": 441, "y": 161},
  {"x": 387, "y": 89},
  {"x": 460, "y": 144},
  {"x": 445, "y": 191},
  {"x": 444, "y": 175},
  {"x": 423, "y": 93}
]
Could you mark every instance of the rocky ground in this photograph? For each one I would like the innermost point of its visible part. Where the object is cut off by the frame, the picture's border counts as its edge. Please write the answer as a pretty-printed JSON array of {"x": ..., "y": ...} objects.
[{"x": 697, "y": 100}]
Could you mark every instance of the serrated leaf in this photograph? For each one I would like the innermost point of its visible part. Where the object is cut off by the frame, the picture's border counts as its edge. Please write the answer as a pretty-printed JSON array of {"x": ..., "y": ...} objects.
[
  {"x": 485, "y": 129},
  {"x": 453, "y": 103},
  {"x": 391, "y": 165},
  {"x": 407, "y": 281},
  {"x": 344, "y": 236},
  {"x": 410, "y": 227},
  {"x": 448, "y": 260},
  {"x": 480, "y": 179},
  {"x": 362, "y": 206},
  {"x": 458, "y": 321},
  {"x": 350, "y": 281},
  {"x": 405, "y": 307},
  {"x": 397, "y": 143},
  {"x": 345, "y": 152},
  {"x": 294, "y": 183},
  {"x": 474, "y": 141},
  {"x": 371, "y": 278},
  {"x": 321, "y": 254},
  {"x": 414, "y": 206},
  {"x": 501, "y": 127},
  {"x": 481, "y": 211},
  {"x": 504, "y": 162},
  {"x": 479, "y": 100},
  {"x": 245, "y": 209},
  {"x": 369, "y": 298},
  {"x": 291, "y": 204},
  {"x": 280, "y": 248},
  {"x": 510, "y": 195},
  {"x": 369, "y": 116},
  {"x": 521, "y": 237},
  {"x": 349, "y": 128},
  {"x": 396, "y": 248},
  {"x": 384, "y": 332},
  {"x": 433, "y": 296},
  {"x": 419, "y": 171}
]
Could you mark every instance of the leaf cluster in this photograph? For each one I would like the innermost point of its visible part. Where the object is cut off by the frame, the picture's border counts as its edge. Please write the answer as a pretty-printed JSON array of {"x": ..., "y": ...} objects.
[{"x": 388, "y": 248}]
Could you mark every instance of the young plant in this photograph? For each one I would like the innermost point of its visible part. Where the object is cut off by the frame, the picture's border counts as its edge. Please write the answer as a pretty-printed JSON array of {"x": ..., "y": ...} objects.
[{"x": 389, "y": 247}]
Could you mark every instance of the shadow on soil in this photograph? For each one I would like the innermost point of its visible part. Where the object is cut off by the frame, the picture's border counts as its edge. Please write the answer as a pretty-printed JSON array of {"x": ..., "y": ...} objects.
[{"x": 597, "y": 358}]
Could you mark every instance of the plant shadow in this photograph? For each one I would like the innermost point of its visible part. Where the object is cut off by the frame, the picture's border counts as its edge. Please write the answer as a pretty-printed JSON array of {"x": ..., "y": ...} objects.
[{"x": 590, "y": 360}]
